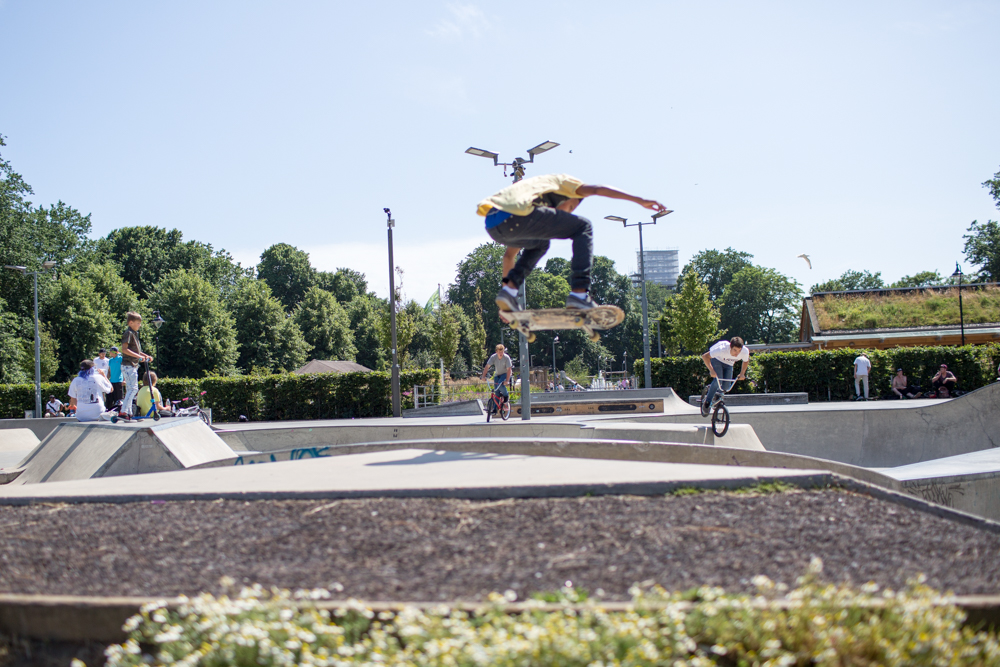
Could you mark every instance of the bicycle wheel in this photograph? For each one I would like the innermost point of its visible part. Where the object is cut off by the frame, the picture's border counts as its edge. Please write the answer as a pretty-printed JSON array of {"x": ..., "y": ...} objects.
[
  {"x": 505, "y": 410},
  {"x": 489, "y": 409},
  {"x": 720, "y": 420},
  {"x": 704, "y": 401},
  {"x": 204, "y": 417}
]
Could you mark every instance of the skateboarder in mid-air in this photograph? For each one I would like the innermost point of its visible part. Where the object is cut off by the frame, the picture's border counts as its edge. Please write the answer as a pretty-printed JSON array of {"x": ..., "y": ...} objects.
[{"x": 528, "y": 214}]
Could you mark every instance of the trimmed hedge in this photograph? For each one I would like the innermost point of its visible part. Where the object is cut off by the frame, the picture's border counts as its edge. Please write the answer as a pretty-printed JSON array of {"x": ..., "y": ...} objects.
[
  {"x": 263, "y": 397},
  {"x": 829, "y": 374}
]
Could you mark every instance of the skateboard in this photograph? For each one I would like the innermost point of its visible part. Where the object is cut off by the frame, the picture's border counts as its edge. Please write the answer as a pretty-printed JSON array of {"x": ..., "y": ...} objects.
[{"x": 529, "y": 321}]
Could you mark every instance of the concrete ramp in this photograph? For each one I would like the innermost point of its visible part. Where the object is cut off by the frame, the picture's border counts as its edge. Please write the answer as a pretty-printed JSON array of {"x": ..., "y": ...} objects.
[
  {"x": 276, "y": 437},
  {"x": 15, "y": 444},
  {"x": 967, "y": 482},
  {"x": 77, "y": 451},
  {"x": 880, "y": 434}
]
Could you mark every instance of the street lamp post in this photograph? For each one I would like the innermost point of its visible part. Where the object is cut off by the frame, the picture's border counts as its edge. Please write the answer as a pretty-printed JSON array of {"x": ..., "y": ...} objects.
[
  {"x": 38, "y": 347},
  {"x": 517, "y": 171},
  {"x": 396, "y": 407},
  {"x": 555, "y": 372},
  {"x": 961, "y": 315},
  {"x": 157, "y": 322},
  {"x": 647, "y": 371}
]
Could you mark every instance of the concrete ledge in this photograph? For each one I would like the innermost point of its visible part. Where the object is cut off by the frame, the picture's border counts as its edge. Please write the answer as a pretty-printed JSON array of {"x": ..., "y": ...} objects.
[
  {"x": 454, "y": 409},
  {"x": 584, "y": 405},
  {"x": 796, "y": 398},
  {"x": 40, "y": 427}
]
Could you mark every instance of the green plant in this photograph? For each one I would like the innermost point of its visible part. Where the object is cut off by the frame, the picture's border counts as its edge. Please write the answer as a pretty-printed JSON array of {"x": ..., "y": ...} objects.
[{"x": 814, "y": 624}]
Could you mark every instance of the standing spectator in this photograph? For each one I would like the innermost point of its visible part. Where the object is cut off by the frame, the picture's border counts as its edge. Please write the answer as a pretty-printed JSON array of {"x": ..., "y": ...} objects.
[
  {"x": 54, "y": 408},
  {"x": 115, "y": 376},
  {"x": 944, "y": 382},
  {"x": 101, "y": 362},
  {"x": 131, "y": 356},
  {"x": 87, "y": 390},
  {"x": 861, "y": 367},
  {"x": 901, "y": 385}
]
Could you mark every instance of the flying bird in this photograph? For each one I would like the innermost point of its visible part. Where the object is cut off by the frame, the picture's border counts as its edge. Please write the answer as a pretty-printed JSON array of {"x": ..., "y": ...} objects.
[{"x": 806, "y": 257}]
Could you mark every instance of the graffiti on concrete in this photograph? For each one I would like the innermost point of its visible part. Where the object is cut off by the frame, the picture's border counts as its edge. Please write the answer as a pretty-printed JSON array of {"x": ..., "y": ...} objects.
[
  {"x": 293, "y": 455},
  {"x": 942, "y": 494}
]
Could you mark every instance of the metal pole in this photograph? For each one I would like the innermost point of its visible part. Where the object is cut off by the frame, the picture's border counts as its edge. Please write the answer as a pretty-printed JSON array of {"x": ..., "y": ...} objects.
[
  {"x": 554, "y": 371},
  {"x": 38, "y": 357},
  {"x": 396, "y": 407},
  {"x": 961, "y": 314},
  {"x": 647, "y": 371},
  {"x": 525, "y": 371}
]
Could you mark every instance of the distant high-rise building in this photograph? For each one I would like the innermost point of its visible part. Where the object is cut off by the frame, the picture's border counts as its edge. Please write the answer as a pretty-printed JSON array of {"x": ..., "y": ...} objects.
[{"x": 662, "y": 267}]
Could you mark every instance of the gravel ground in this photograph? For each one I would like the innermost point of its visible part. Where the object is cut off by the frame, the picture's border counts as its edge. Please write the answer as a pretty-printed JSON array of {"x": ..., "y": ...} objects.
[{"x": 443, "y": 549}]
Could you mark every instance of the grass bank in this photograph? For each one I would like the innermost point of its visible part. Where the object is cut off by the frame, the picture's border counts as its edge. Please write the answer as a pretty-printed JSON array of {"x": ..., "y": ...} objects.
[{"x": 913, "y": 309}]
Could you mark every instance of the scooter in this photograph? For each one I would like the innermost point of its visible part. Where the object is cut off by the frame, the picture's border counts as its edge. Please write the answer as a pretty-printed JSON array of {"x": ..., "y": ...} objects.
[{"x": 152, "y": 411}]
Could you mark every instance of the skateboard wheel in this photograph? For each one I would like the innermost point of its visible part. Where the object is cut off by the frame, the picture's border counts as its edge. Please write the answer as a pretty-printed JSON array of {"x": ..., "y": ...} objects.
[
  {"x": 114, "y": 419},
  {"x": 594, "y": 337},
  {"x": 531, "y": 338}
]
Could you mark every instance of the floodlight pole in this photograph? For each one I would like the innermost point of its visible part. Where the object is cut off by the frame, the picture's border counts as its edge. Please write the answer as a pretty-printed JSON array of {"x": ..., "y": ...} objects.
[
  {"x": 396, "y": 407},
  {"x": 961, "y": 314},
  {"x": 517, "y": 170},
  {"x": 38, "y": 348}
]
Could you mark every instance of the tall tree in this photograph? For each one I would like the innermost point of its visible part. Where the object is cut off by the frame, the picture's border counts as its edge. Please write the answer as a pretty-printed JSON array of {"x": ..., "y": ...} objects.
[
  {"x": 199, "y": 336},
  {"x": 982, "y": 248},
  {"x": 447, "y": 331},
  {"x": 326, "y": 326},
  {"x": 364, "y": 313},
  {"x": 851, "y": 280},
  {"x": 691, "y": 321},
  {"x": 78, "y": 318},
  {"x": 11, "y": 350},
  {"x": 346, "y": 284},
  {"x": 288, "y": 273},
  {"x": 762, "y": 306},
  {"x": 482, "y": 270},
  {"x": 268, "y": 339},
  {"x": 993, "y": 185},
  {"x": 716, "y": 269}
]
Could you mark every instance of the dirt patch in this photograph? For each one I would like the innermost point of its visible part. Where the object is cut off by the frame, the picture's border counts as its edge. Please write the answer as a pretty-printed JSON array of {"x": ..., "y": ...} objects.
[{"x": 445, "y": 549}]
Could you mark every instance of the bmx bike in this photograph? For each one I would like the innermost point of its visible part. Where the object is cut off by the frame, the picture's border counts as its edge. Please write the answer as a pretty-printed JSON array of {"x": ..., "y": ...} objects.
[
  {"x": 498, "y": 404},
  {"x": 193, "y": 410},
  {"x": 718, "y": 409}
]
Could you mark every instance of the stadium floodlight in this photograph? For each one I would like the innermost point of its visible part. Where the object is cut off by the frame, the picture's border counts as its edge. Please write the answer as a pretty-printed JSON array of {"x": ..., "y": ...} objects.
[
  {"x": 479, "y": 152},
  {"x": 660, "y": 214},
  {"x": 616, "y": 219},
  {"x": 541, "y": 148},
  {"x": 14, "y": 267}
]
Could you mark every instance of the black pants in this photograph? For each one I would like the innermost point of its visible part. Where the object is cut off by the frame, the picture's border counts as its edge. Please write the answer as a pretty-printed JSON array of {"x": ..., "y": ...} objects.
[{"x": 532, "y": 233}]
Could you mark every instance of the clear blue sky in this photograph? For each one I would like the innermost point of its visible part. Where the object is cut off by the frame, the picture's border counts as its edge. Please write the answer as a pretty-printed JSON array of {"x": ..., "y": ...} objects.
[{"x": 856, "y": 132}]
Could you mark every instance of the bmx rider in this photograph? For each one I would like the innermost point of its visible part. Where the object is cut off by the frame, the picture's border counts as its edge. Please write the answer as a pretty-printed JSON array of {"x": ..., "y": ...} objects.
[
  {"x": 502, "y": 365},
  {"x": 720, "y": 359}
]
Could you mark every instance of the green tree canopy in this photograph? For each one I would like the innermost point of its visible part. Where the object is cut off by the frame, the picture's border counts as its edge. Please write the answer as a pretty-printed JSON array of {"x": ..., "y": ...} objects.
[
  {"x": 447, "y": 332},
  {"x": 982, "y": 248},
  {"x": 268, "y": 339},
  {"x": 691, "y": 321},
  {"x": 481, "y": 271},
  {"x": 345, "y": 285},
  {"x": 199, "y": 336},
  {"x": 146, "y": 254},
  {"x": 326, "y": 326},
  {"x": 850, "y": 280},
  {"x": 716, "y": 269},
  {"x": 11, "y": 350},
  {"x": 761, "y": 306},
  {"x": 363, "y": 313},
  {"x": 288, "y": 273},
  {"x": 921, "y": 279},
  {"x": 78, "y": 318},
  {"x": 993, "y": 185}
]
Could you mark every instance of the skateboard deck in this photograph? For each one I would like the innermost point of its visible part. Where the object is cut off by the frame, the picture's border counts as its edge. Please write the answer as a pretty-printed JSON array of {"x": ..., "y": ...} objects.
[{"x": 529, "y": 321}]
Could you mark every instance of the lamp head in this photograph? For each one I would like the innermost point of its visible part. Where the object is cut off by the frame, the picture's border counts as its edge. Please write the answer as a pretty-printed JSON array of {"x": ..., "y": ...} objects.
[
  {"x": 616, "y": 219},
  {"x": 660, "y": 214},
  {"x": 14, "y": 267},
  {"x": 958, "y": 271},
  {"x": 48, "y": 265},
  {"x": 159, "y": 321},
  {"x": 542, "y": 148},
  {"x": 479, "y": 152}
]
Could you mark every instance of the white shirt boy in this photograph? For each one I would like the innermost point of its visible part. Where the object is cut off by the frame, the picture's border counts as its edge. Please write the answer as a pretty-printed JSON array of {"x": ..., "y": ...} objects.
[
  {"x": 723, "y": 353},
  {"x": 862, "y": 365}
]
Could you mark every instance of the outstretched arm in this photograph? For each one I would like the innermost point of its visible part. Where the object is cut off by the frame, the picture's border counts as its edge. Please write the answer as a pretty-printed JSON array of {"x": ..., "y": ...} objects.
[{"x": 611, "y": 193}]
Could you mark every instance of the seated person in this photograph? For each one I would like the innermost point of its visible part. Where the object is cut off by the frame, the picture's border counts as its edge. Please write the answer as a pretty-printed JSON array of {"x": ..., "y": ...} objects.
[
  {"x": 944, "y": 382},
  {"x": 144, "y": 401},
  {"x": 87, "y": 392},
  {"x": 54, "y": 408},
  {"x": 901, "y": 386}
]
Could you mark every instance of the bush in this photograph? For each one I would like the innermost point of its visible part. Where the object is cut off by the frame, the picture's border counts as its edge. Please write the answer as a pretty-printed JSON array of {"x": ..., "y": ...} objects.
[
  {"x": 829, "y": 374},
  {"x": 263, "y": 397},
  {"x": 815, "y": 624}
]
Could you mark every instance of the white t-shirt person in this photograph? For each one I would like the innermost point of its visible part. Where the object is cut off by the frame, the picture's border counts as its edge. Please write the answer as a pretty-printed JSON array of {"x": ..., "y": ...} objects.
[
  {"x": 862, "y": 365},
  {"x": 89, "y": 394},
  {"x": 102, "y": 364},
  {"x": 723, "y": 353}
]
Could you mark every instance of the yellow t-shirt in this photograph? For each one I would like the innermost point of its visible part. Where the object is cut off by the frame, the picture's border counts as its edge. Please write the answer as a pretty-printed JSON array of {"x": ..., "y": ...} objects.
[
  {"x": 519, "y": 199},
  {"x": 142, "y": 398}
]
